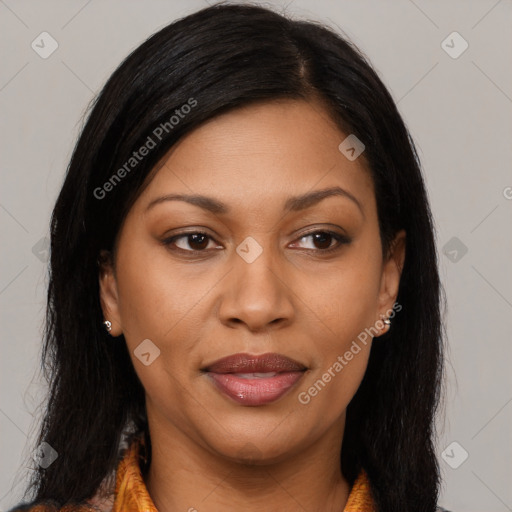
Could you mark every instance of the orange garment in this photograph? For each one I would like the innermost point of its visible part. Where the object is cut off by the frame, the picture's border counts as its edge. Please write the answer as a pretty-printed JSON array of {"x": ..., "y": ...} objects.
[{"x": 131, "y": 494}]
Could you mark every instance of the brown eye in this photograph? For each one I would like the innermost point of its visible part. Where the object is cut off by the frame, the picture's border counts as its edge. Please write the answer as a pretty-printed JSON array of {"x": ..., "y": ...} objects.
[
  {"x": 198, "y": 241},
  {"x": 190, "y": 242},
  {"x": 322, "y": 241}
]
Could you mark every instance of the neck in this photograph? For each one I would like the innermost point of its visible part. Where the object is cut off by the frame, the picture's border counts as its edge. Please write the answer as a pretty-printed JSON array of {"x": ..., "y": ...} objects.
[{"x": 185, "y": 476}]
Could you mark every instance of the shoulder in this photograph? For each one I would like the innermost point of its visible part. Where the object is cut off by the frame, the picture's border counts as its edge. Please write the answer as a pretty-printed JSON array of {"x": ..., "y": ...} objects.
[
  {"x": 35, "y": 507},
  {"x": 52, "y": 506}
]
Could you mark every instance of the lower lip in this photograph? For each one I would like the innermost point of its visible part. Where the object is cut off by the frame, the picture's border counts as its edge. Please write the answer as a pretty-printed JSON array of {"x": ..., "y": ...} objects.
[{"x": 257, "y": 391}]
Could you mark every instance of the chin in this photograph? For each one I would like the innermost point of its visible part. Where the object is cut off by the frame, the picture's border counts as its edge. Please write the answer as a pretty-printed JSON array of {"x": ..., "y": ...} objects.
[{"x": 256, "y": 450}]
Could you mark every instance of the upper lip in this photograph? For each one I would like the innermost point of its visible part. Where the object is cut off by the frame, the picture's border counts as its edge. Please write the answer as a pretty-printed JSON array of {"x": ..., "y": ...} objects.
[{"x": 247, "y": 363}]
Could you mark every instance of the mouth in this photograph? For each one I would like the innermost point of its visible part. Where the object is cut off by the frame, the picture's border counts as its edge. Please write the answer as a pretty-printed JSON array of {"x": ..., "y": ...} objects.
[{"x": 253, "y": 380}]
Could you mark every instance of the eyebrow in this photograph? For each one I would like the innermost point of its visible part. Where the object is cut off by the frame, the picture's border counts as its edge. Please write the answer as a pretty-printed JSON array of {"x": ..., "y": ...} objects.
[{"x": 293, "y": 204}]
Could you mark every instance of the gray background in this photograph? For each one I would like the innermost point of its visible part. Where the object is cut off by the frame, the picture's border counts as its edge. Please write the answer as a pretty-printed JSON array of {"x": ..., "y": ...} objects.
[{"x": 457, "y": 109}]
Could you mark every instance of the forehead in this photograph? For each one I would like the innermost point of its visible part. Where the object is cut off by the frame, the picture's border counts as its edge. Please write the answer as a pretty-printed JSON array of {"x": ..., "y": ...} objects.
[{"x": 260, "y": 153}]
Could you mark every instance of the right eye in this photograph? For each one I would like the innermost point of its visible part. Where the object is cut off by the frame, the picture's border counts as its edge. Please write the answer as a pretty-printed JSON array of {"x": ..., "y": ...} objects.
[{"x": 196, "y": 241}]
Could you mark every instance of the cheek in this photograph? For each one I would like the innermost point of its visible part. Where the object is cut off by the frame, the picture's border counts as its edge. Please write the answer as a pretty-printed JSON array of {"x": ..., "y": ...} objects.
[
  {"x": 328, "y": 392},
  {"x": 340, "y": 354},
  {"x": 166, "y": 306},
  {"x": 345, "y": 308},
  {"x": 345, "y": 299},
  {"x": 152, "y": 297}
]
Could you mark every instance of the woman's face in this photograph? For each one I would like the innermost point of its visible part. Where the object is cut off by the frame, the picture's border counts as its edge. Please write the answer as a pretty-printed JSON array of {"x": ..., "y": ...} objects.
[{"x": 280, "y": 268}]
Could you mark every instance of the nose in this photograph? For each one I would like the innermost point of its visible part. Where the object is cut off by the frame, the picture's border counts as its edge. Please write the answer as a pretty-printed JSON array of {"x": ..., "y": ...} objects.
[{"x": 257, "y": 294}]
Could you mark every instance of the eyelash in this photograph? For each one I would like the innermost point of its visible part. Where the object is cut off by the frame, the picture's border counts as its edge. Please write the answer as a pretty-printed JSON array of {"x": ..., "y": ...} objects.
[{"x": 340, "y": 239}]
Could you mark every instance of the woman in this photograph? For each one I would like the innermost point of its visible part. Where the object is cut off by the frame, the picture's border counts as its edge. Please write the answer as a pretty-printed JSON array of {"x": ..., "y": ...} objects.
[{"x": 244, "y": 303}]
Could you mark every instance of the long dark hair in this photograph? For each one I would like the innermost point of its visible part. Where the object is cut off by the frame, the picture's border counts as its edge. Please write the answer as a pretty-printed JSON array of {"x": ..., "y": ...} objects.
[{"x": 215, "y": 60}]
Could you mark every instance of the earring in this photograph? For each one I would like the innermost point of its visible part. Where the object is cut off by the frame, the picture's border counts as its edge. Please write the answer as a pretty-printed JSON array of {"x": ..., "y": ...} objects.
[
  {"x": 108, "y": 325},
  {"x": 387, "y": 323}
]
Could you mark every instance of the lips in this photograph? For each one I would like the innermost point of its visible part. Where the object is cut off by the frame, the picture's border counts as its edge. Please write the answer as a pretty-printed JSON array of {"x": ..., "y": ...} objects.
[
  {"x": 255, "y": 380},
  {"x": 246, "y": 363}
]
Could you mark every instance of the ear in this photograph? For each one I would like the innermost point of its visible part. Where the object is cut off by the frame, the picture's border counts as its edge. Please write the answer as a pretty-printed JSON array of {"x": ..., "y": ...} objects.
[
  {"x": 108, "y": 292},
  {"x": 391, "y": 273}
]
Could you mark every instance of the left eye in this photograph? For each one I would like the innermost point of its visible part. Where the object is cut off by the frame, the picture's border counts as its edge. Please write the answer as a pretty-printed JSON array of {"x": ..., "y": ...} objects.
[{"x": 322, "y": 240}]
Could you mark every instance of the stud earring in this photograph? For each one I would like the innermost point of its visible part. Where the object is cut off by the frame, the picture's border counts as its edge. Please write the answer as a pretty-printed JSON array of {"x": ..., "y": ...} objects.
[
  {"x": 387, "y": 323},
  {"x": 108, "y": 325}
]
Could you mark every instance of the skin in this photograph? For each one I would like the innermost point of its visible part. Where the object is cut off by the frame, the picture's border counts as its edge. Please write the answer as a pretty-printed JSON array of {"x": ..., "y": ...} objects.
[{"x": 209, "y": 452}]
